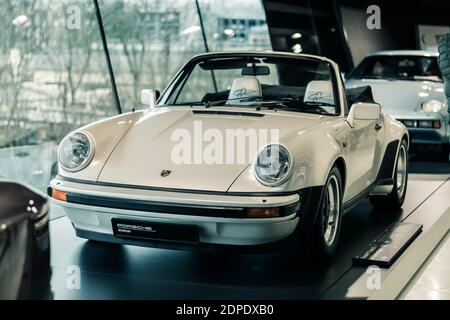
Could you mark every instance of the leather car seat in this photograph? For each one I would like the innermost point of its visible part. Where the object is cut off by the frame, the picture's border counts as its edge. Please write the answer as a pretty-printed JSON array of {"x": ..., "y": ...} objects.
[
  {"x": 319, "y": 91},
  {"x": 244, "y": 90}
]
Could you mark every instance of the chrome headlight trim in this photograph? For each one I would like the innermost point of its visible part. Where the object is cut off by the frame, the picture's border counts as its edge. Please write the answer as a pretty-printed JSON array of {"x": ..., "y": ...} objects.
[
  {"x": 90, "y": 154},
  {"x": 284, "y": 155}
]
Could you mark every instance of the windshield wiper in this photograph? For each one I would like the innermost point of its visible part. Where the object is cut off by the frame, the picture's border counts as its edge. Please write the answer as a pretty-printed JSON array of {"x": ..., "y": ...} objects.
[
  {"x": 319, "y": 103},
  {"x": 318, "y": 109},
  {"x": 283, "y": 103},
  {"x": 193, "y": 103},
  {"x": 249, "y": 99},
  {"x": 211, "y": 103},
  {"x": 315, "y": 107},
  {"x": 271, "y": 105}
]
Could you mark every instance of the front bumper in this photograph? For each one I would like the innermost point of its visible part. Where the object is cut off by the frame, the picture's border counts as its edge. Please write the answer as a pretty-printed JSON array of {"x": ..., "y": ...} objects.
[
  {"x": 92, "y": 206},
  {"x": 420, "y": 134}
]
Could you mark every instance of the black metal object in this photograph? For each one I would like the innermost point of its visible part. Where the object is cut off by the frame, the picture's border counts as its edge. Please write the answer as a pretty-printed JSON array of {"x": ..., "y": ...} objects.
[
  {"x": 107, "y": 57},
  {"x": 199, "y": 13},
  {"x": 384, "y": 250},
  {"x": 205, "y": 41}
]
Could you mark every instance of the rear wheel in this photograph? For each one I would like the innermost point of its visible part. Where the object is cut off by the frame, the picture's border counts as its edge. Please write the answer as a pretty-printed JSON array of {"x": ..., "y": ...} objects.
[
  {"x": 395, "y": 199},
  {"x": 326, "y": 230}
]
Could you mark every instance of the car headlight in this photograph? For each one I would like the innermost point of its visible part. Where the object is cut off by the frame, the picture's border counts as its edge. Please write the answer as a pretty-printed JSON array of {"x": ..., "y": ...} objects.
[
  {"x": 76, "y": 151},
  {"x": 273, "y": 165},
  {"x": 432, "y": 106}
]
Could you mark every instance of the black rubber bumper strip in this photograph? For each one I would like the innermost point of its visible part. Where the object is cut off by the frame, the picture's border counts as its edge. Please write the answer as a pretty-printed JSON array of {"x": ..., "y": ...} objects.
[{"x": 162, "y": 207}]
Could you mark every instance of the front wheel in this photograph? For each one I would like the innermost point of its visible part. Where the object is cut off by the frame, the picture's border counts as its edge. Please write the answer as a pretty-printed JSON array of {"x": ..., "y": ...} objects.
[
  {"x": 328, "y": 224},
  {"x": 395, "y": 199}
]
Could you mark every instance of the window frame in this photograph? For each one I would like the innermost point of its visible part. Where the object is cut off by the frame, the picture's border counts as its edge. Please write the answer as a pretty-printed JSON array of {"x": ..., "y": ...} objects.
[{"x": 183, "y": 74}]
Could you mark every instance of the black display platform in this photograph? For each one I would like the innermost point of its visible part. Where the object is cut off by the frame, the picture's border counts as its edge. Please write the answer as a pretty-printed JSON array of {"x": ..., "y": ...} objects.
[{"x": 127, "y": 272}]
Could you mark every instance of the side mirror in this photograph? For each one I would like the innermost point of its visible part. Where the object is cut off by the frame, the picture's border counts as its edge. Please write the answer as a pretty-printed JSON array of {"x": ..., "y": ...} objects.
[
  {"x": 363, "y": 111},
  {"x": 149, "y": 98}
]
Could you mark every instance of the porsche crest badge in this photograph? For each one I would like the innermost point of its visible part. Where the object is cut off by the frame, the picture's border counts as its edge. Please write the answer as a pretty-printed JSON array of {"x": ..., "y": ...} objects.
[{"x": 165, "y": 173}]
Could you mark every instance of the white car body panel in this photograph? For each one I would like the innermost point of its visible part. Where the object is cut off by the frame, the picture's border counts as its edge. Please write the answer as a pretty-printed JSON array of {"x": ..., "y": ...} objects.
[
  {"x": 402, "y": 99},
  {"x": 158, "y": 127},
  {"x": 107, "y": 134},
  {"x": 132, "y": 149}
]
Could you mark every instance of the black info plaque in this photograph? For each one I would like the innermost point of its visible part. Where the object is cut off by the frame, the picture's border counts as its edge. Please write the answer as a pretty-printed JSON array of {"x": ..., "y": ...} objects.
[{"x": 388, "y": 245}]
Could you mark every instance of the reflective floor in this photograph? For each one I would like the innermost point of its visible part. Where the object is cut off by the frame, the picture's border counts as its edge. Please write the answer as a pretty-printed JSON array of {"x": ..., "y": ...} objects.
[
  {"x": 87, "y": 270},
  {"x": 433, "y": 281}
]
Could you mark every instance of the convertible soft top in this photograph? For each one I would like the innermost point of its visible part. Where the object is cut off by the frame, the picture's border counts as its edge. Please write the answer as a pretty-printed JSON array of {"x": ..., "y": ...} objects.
[
  {"x": 360, "y": 94},
  {"x": 354, "y": 95}
]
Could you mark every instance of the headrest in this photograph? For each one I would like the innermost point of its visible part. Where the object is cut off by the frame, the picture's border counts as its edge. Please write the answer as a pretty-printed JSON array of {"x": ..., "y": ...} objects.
[
  {"x": 243, "y": 89},
  {"x": 319, "y": 91}
]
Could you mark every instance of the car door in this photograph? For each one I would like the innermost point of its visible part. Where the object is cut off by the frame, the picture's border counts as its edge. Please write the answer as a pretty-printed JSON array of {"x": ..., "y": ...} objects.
[{"x": 363, "y": 145}]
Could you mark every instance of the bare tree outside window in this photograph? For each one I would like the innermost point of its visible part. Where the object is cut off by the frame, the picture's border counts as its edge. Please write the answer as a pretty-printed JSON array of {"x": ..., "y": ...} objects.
[{"x": 53, "y": 71}]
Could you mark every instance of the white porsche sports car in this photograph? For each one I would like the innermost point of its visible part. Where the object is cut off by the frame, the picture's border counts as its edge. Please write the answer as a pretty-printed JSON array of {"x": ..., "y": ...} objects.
[
  {"x": 243, "y": 150},
  {"x": 409, "y": 86}
]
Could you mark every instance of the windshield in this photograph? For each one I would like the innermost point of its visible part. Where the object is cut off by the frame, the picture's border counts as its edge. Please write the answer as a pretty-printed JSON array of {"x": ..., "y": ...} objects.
[
  {"x": 398, "y": 68},
  {"x": 294, "y": 84}
]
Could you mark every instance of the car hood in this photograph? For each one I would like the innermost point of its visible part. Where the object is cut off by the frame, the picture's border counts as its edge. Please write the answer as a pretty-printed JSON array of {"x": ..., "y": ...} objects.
[
  {"x": 155, "y": 142},
  {"x": 399, "y": 96}
]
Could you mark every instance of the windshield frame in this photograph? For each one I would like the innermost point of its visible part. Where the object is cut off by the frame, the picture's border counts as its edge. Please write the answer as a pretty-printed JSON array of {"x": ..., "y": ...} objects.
[{"x": 183, "y": 74}]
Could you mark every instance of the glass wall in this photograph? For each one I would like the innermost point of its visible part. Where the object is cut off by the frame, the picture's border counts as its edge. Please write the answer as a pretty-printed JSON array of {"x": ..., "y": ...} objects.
[
  {"x": 53, "y": 79},
  {"x": 235, "y": 25},
  {"x": 54, "y": 75},
  {"x": 148, "y": 40}
]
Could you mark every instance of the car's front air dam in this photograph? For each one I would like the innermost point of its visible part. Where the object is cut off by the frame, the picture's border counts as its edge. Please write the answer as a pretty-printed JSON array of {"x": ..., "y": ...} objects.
[
  {"x": 214, "y": 230},
  {"x": 220, "y": 218}
]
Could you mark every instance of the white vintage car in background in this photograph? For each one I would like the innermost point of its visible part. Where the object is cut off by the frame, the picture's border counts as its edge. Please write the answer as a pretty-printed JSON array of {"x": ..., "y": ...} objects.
[
  {"x": 137, "y": 178},
  {"x": 409, "y": 86}
]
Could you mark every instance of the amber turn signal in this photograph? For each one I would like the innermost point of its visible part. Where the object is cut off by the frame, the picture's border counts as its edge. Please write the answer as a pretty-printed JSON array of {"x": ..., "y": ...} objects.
[
  {"x": 59, "y": 195},
  {"x": 263, "y": 212}
]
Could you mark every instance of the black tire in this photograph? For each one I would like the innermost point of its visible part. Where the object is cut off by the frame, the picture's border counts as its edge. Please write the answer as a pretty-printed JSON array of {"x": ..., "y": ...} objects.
[
  {"x": 323, "y": 248},
  {"x": 395, "y": 199}
]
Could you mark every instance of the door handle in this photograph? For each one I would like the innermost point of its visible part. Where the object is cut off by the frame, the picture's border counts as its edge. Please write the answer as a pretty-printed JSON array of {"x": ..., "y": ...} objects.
[{"x": 378, "y": 126}]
